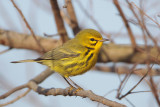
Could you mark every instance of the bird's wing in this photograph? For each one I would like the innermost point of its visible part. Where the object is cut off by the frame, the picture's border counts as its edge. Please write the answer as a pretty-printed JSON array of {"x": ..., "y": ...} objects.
[{"x": 59, "y": 53}]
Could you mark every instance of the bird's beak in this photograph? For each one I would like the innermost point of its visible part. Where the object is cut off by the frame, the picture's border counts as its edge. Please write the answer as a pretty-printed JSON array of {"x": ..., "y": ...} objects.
[{"x": 104, "y": 39}]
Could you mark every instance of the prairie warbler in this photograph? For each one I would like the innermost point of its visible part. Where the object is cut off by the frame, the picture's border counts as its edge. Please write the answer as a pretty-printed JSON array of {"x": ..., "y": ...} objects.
[{"x": 74, "y": 57}]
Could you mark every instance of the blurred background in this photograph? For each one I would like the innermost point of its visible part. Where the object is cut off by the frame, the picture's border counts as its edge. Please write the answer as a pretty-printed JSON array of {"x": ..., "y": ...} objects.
[{"x": 101, "y": 15}]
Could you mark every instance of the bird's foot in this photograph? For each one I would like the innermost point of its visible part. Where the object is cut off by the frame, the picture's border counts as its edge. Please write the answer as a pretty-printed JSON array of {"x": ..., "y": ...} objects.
[{"x": 73, "y": 91}]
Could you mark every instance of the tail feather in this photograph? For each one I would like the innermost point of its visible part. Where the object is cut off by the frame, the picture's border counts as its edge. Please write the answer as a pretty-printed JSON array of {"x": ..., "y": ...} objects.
[{"x": 29, "y": 60}]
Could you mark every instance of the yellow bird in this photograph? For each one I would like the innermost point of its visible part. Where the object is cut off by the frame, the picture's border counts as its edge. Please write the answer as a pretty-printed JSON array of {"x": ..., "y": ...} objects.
[{"x": 74, "y": 57}]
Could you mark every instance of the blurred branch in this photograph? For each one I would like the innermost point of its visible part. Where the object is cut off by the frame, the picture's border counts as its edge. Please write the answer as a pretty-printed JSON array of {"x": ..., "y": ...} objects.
[
  {"x": 145, "y": 14},
  {"x": 143, "y": 24},
  {"x": 126, "y": 23},
  {"x": 109, "y": 53},
  {"x": 18, "y": 40},
  {"x": 91, "y": 18},
  {"x": 28, "y": 26},
  {"x": 154, "y": 89},
  {"x": 139, "y": 22},
  {"x": 119, "y": 96},
  {"x": 126, "y": 69},
  {"x": 12, "y": 91},
  {"x": 72, "y": 16},
  {"x": 16, "y": 99},
  {"x": 59, "y": 21},
  {"x": 2, "y": 52}
]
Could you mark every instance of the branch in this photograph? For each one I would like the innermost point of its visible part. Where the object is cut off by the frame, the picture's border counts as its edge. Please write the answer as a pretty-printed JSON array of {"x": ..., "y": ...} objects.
[
  {"x": 146, "y": 14},
  {"x": 91, "y": 18},
  {"x": 16, "y": 99},
  {"x": 82, "y": 93},
  {"x": 110, "y": 53},
  {"x": 72, "y": 16},
  {"x": 6, "y": 50},
  {"x": 59, "y": 21},
  {"x": 144, "y": 24},
  {"x": 154, "y": 89},
  {"x": 33, "y": 85},
  {"x": 126, "y": 69},
  {"x": 25, "y": 41},
  {"x": 126, "y": 23},
  {"x": 28, "y": 26},
  {"x": 12, "y": 91}
]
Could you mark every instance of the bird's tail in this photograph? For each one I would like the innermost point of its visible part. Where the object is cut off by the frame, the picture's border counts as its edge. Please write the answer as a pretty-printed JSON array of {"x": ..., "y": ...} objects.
[{"x": 29, "y": 60}]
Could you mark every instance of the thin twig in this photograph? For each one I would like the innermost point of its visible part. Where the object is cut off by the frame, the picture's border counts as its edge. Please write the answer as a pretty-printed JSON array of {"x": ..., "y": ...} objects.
[
  {"x": 130, "y": 102},
  {"x": 28, "y": 26},
  {"x": 139, "y": 22},
  {"x": 130, "y": 91},
  {"x": 145, "y": 14},
  {"x": 92, "y": 18},
  {"x": 154, "y": 89},
  {"x": 142, "y": 13},
  {"x": 50, "y": 35},
  {"x": 132, "y": 38},
  {"x": 2, "y": 52},
  {"x": 98, "y": 105},
  {"x": 124, "y": 81}
]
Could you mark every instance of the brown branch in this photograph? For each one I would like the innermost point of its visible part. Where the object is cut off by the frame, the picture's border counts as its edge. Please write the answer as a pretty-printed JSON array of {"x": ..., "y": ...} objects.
[
  {"x": 130, "y": 91},
  {"x": 124, "y": 81},
  {"x": 126, "y": 23},
  {"x": 154, "y": 90},
  {"x": 13, "y": 90},
  {"x": 91, "y": 18},
  {"x": 146, "y": 14},
  {"x": 143, "y": 25},
  {"x": 125, "y": 70},
  {"x": 72, "y": 16},
  {"x": 18, "y": 40},
  {"x": 42, "y": 76},
  {"x": 59, "y": 20},
  {"x": 82, "y": 93},
  {"x": 139, "y": 22},
  {"x": 33, "y": 85},
  {"x": 2, "y": 52},
  {"x": 28, "y": 26},
  {"x": 109, "y": 53},
  {"x": 38, "y": 79},
  {"x": 16, "y": 99}
]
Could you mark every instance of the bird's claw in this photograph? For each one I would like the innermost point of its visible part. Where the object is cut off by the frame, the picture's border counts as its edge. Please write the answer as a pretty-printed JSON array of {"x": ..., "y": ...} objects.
[{"x": 73, "y": 90}]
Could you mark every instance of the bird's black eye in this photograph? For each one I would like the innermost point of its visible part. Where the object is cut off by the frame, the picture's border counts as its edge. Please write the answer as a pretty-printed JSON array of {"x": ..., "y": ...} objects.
[{"x": 92, "y": 39}]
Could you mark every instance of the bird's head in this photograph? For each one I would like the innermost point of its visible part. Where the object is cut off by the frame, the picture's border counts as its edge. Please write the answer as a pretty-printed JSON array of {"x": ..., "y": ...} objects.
[{"x": 90, "y": 38}]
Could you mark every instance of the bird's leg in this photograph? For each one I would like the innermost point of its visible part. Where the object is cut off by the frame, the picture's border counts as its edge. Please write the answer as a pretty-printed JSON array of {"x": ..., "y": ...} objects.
[
  {"x": 71, "y": 90},
  {"x": 68, "y": 82},
  {"x": 75, "y": 84}
]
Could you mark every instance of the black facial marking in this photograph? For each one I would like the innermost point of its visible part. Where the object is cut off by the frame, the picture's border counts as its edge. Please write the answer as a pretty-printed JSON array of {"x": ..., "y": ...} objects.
[
  {"x": 89, "y": 48},
  {"x": 87, "y": 52},
  {"x": 90, "y": 57}
]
